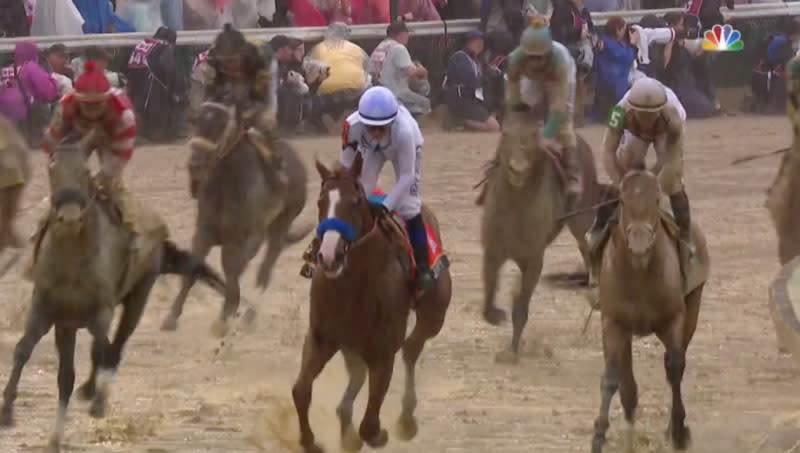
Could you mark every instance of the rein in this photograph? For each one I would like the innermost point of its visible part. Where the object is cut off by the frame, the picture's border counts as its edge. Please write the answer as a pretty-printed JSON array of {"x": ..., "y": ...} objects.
[{"x": 232, "y": 136}]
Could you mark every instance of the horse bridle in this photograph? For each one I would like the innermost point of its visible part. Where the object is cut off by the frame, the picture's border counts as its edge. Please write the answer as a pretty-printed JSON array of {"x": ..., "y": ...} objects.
[
  {"x": 230, "y": 135},
  {"x": 346, "y": 230},
  {"x": 651, "y": 230}
]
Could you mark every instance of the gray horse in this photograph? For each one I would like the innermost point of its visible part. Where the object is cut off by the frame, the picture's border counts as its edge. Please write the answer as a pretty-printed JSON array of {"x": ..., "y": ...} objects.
[
  {"x": 85, "y": 267},
  {"x": 523, "y": 213},
  {"x": 236, "y": 209}
]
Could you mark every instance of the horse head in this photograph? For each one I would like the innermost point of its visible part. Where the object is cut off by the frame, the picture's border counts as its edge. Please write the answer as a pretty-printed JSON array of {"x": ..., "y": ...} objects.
[
  {"x": 640, "y": 215},
  {"x": 218, "y": 128},
  {"x": 70, "y": 185},
  {"x": 518, "y": 151},
  {"x": 344, "y": 215}
]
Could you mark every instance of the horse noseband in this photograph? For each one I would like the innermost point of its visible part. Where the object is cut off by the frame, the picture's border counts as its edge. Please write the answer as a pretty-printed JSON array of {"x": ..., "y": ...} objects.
[{"x": 340, "y": 226}]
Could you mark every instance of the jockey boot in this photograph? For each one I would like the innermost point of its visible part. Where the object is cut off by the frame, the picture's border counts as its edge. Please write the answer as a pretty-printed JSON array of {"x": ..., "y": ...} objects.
[
  {"x": 310, "y": 258},
  {"x": 680, "y": 209},
  {"x": 266, "y": 142},
  {"x": 597, "y": 237},
  {"x": 419, "y": 242}
]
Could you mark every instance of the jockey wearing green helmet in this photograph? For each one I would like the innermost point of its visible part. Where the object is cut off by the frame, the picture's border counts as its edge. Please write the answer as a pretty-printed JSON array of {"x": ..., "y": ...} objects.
[{"x": 538, "y": 66}]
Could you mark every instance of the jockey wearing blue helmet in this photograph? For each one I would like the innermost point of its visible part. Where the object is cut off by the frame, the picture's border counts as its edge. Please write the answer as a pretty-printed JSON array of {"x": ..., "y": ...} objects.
[{"x": 383, "y": 130}]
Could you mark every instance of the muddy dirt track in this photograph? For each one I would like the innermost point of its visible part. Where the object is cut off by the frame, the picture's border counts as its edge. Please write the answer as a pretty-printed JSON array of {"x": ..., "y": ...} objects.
[{"x": 174, "y": 393}]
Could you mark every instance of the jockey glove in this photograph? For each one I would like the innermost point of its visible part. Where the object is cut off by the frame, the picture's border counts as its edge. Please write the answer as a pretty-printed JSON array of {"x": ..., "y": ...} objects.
[{"x": 378, "y": 210}]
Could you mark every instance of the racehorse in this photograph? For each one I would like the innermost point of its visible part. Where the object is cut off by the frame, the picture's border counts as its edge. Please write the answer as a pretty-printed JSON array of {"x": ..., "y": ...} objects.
[
  {"x": 642, "y": 291},
  {"x": 85, "y": 267},
  {"x": 236, "y": 209},
  {"x": 361, "y": 296}
]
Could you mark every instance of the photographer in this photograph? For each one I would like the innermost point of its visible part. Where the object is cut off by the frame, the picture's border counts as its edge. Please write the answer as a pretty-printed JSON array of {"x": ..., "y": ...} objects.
[{"x": 615, "y": 56}]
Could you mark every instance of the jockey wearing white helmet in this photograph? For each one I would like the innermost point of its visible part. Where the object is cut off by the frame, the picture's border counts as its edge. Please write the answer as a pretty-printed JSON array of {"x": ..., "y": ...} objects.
[
  {"x": 383, "y": 130},
  {"x": 648, "y": 113}
]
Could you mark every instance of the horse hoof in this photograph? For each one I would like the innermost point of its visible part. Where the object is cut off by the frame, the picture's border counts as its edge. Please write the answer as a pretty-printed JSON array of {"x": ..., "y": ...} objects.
[
  {"x": 350, "y": 440},
  {"x": 86, "y": 392},
  {"x": 249, "y": 316},
  {"x": 97, "y": 409},
  {"x": 597, "y": 444},
  {"x": 494, "y": 316},
  {"x": 170, "y": 324},
  {"x": 380, "y": 440},
  {"x": 507, "y": 357},
  {"x": 219, "y": 328},
  {"x": 407, "y": 428},
  {"x": 54, "y": 446},
  {"x": 6, "y": 418},
  {"x": 682, "y": 438},
  {"x": 313, "y": 448}
]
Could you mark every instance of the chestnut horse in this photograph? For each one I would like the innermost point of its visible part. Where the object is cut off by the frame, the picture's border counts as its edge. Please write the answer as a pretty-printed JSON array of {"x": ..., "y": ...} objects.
[
  {"x": 642, "y": 292},
  {"x": 361, "y": 296}
]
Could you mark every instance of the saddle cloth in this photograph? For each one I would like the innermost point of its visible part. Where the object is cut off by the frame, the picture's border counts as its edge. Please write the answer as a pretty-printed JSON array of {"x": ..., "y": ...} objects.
[{"x": 437, "y": 260}]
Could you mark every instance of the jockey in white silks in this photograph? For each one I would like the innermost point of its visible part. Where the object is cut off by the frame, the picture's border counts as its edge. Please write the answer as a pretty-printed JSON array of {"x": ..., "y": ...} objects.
[{"x": 382, "y": 130}]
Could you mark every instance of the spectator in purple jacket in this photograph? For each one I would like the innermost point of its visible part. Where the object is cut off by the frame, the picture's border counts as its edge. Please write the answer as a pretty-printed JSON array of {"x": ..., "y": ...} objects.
[{"x": 32, "y": 87}]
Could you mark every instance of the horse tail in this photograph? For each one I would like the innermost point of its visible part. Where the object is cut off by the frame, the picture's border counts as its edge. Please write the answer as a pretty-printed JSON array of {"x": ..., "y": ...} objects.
[{"x": 181, "y": 262}]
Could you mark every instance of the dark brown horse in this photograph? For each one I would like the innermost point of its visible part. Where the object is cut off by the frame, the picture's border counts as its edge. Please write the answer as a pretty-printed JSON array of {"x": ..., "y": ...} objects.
[
  {"x": 642, "y": 292},
  {"x": 14, "y": 175},
  {"x": 361, "y": 296}
]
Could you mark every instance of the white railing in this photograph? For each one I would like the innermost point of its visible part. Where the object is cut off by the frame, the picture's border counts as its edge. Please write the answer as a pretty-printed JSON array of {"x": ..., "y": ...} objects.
[{"x": 206, "y": 37}]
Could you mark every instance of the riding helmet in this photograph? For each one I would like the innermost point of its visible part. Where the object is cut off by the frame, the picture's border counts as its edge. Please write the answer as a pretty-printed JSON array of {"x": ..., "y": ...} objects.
[
  {"x": 377, "y": 106},
  {"x": 536, "y": 40},
  {"x": 647, "y": 95}
]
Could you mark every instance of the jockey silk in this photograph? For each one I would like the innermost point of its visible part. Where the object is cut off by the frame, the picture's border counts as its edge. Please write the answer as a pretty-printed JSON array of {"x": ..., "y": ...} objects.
[
  {"x": 402, "y": 145},
  {"x": 140, "y": 53}
]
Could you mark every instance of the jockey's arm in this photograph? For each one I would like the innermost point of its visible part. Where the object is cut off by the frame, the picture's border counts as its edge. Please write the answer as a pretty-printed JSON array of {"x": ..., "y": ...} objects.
[
  {"x": 404, "y": 164},
  {"x": 561, "y": 99},
  {"x": 611, "y": 141},
  {"x": 124, "y": 136},
  {"x": 58, "y": 129}
]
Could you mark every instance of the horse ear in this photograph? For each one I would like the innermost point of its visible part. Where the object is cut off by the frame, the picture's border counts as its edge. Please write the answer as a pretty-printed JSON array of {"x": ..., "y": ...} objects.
[
  {"x": 358, "y": 163},
  {"x": 324, "y": 173}
]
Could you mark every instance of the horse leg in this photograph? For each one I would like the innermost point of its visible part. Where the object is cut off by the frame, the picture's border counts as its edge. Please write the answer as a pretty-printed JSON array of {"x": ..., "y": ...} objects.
[
  {"x": 87, "y": 390},
  {"x": 65, "y": 343},
  {"x": 380, "y": 375},
  {"x": 234, "y": 260},
  {"x": 357, "y": 372},
  {"x": 692, "y": 313},
  {"x": 276, "y": 241},
  {"x": 628, "y": 392},
  {"x": 531, "y": 270},
  {"x": 675, "y": 363},
  {"x": 98, "y": 328},
  {"x": 315, "y": 355},
  {"x": 201, "y": 245},
  {"x": 37, "y": 326},
  {"x": 9, "y": 203},
  {"x": 578, "y": 231},
  {"x": 430, "y": 313},
  {"x": 613, "y": 341},
  {"x": 491, "y": 268}
]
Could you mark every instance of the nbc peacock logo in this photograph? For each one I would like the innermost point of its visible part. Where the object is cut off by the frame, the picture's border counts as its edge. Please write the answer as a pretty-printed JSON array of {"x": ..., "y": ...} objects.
[{"x": 722, "y": 38}]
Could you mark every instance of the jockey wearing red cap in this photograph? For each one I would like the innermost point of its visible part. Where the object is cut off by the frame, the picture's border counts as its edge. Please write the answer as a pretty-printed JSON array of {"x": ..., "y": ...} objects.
[{"x": 94, "y": 106}]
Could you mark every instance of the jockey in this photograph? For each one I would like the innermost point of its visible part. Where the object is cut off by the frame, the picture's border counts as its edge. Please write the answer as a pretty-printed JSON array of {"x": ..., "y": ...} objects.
[
  {"x": 648, "y": 113},
  {"x": 541, "y": 70},
  {"x": 94, "y": 106},
  {"x": 382, "y": 130},
  {"x": 236, "y": 61}
]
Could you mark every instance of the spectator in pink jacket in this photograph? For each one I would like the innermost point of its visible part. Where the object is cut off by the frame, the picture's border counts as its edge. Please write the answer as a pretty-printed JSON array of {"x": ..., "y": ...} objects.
[{"x": 31, "y": 84}]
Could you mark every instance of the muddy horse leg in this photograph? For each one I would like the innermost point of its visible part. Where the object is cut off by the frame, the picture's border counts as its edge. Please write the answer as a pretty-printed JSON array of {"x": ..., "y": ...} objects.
[
  {"x": 628, "y": 392},
  {"x": 37, "y": 326},
  {"x": 692, "y": 313},
  {"x": 65, "y": 344},
  {"x": 531, "y": 270},
  {"x": 380, "y": 375},
  {"x": 613, "y": 341},
  {"x": 276, "y": 241},
  {"x": 357, "y": 372},
  {"x": 430, "y": 314},
  {"x": 9, "y": 204},
  {"x": 675, "y": 364},
  {"x": 234, "y": 260},
  {"x": 315, "y": 355},
  {"x": 101, "y": 353},
  {"x": 201, "y": 245},
  {"x": 491, "y": 268}
]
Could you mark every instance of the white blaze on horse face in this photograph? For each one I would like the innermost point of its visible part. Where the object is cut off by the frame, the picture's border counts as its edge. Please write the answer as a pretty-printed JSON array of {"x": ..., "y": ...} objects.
[{"x": 330, "y": 239}]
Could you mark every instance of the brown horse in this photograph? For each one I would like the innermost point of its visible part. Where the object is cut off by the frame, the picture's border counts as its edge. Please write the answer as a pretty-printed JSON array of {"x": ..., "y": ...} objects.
[
  {"x": 783, "y": 197},
  {"x": 361, "y": 296},
  {"x": 641, "y": 292},
  {"x": 523, "y": 212}
]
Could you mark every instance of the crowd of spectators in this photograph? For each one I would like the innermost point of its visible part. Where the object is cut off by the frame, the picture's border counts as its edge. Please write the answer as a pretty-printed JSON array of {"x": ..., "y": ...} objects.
[{"x": 316, "y": 89}]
